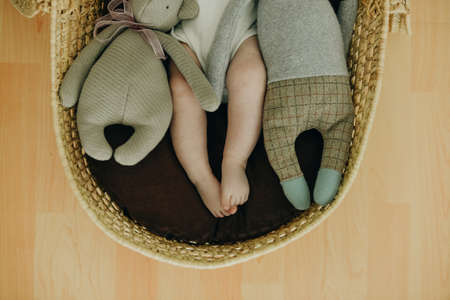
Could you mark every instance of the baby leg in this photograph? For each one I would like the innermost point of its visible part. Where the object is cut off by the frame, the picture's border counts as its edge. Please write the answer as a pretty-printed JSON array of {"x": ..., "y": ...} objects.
[
  {"x": 246, "y": 82},
  {"x": 188, "y": 130}
]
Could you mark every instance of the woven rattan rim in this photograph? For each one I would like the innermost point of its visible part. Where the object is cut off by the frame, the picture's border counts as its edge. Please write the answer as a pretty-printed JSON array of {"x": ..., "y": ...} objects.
[
  {"x": 71, "y": 28},
  {"x": 30, "y": 8}
]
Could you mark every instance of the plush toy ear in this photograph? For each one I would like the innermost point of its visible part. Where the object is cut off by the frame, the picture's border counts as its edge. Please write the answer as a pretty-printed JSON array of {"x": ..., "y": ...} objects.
[{"x": 189, "y": 10}]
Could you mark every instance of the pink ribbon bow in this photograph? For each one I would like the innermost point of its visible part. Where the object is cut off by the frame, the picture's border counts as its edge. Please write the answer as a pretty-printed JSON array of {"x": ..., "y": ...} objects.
[{"x": 125, "y": 18}]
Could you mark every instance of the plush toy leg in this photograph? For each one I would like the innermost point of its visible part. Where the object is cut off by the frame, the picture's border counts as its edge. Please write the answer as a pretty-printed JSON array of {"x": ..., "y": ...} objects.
[
  {"x": 297, "y": 192},
  {"x": 335, "y": 155},
  {"x": 285, "y": 164},
  {"x": 137, "y": 147},
  {"x": 336, "y": 130},
  {"x": 279, "y": 140},
  {"x": 327, "y": 185},
  {"x": 93, "y": 139}
]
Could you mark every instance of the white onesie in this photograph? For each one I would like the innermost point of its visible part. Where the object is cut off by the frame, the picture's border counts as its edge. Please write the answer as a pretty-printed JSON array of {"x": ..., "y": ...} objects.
[{"x": 199, "y": 33}]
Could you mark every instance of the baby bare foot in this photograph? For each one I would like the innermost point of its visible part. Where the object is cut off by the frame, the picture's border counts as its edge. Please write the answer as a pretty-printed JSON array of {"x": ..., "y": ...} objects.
[
  {"x": 209, "y": 189},
  {"x": 235, "y": 187}
]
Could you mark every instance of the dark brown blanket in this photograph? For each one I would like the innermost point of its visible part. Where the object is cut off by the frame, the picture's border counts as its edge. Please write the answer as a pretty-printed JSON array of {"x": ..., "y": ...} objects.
[{"x": 158, "y": 195}]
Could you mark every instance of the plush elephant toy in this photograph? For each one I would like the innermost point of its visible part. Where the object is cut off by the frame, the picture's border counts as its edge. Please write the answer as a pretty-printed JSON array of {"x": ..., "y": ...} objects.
[
  {"x": 119, "y": 77},
  {"x": 305, "y": 45}
]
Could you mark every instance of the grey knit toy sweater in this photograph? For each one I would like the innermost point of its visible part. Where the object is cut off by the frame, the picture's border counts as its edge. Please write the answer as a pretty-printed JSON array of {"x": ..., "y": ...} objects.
[
  {"x": 323, "y": 57},
  {"x": 320, "y": 56}
]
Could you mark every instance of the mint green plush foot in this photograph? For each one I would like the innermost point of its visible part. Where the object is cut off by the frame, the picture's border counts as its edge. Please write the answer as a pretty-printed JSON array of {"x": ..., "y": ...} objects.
[
  {"x": 297, "y": 192},
  {"x": 327, "y": 185}
]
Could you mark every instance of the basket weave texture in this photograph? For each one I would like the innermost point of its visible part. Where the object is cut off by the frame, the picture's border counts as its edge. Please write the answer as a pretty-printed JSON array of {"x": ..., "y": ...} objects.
[
  {"x": 29, "y": 8},
  {"x": 71, "y": 29}
]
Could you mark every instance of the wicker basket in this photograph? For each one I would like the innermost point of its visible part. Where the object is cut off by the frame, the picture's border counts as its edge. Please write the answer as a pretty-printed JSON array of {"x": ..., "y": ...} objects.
[{"x": 71, "y": 28}]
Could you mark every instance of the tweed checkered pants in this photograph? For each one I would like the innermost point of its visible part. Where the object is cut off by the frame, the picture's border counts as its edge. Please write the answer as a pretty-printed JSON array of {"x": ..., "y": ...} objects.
[{"x": 294, "y": 106}]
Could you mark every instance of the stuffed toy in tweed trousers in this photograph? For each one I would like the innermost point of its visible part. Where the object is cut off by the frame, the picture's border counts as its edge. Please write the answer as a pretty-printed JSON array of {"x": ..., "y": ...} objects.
[
  {"x": 119, "y": 79},
  {"x": 304, "y": 45}
]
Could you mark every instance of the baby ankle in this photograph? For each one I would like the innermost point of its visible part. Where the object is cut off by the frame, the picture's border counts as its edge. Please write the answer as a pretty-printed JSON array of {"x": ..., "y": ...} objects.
[
  {"x": 200, "y": 177},
  {"x": 234, "y": 160}
]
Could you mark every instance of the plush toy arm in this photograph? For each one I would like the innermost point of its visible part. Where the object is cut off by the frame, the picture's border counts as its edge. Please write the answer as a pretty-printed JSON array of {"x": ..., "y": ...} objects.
[
  {"x": 189, "y": 10},
  {"x": 73, "y": 81},
  {"x": 347, "y": 15},
  {"x": 194, "y": 76}
]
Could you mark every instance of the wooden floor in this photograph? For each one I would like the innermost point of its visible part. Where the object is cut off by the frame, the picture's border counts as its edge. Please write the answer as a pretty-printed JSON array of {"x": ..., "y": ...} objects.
[{"x": 389, "y": 239}]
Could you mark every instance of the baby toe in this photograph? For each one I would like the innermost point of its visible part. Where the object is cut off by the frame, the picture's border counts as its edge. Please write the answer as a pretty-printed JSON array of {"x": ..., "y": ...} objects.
[
  {"x": 226, "y": 213},
  {"x": 233, "y": 210},
  {"x": 235, "y": 201},
  {"x": 225, "y": 202}
]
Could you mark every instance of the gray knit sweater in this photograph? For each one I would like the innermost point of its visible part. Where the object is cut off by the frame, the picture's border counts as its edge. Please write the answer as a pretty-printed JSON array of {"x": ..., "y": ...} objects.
[
  {"x": 322, "y": 53},
  {"x": 322, "y": 56}
]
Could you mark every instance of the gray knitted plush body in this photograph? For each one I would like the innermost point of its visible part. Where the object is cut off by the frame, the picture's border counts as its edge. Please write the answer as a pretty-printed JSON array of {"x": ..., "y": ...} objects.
[
  {"x": 120, "y": 80},
  {"x": 304, "y": 45}
]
